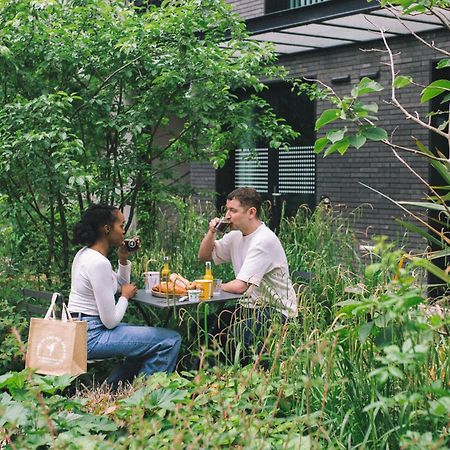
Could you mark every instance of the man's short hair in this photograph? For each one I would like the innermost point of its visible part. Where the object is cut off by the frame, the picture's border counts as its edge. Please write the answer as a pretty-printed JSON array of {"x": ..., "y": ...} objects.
[{"x": 248, "y": 197}]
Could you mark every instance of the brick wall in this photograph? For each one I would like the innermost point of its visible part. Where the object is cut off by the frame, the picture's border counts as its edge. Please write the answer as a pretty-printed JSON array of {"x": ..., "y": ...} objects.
[
  {"x": 339, "y": 177},
  {"x": 203, "y": 179},
  {"x": 248, "y": 8}
]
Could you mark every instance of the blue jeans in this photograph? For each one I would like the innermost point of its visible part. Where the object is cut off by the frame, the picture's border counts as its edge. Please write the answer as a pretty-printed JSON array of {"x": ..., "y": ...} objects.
[{"x": 146, "y": 349}]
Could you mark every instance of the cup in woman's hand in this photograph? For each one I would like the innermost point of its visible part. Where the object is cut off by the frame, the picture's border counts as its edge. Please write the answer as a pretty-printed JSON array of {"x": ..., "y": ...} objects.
[{"x": 132, "y": 244}]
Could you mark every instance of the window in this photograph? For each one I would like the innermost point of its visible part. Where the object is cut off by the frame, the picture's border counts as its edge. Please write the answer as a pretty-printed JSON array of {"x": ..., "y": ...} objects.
[
  {"x": 286, "y": 179},
  {"x": 280, "y": 5}
]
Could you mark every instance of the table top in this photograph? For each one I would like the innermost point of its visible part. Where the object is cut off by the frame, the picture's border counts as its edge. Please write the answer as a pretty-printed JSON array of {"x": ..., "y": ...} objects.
[{"x": 147, "y": 298}]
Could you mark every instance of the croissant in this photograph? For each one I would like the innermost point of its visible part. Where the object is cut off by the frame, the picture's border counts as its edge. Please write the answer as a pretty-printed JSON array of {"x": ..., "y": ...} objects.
[
  {"x": 169, "y": 288},
  {"x": 194, "y": 285},
  {"x": 177, "y": 279}
]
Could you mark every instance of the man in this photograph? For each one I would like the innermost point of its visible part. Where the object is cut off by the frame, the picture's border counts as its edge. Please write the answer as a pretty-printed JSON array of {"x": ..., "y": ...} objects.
[{"x": 259, "y": 261}]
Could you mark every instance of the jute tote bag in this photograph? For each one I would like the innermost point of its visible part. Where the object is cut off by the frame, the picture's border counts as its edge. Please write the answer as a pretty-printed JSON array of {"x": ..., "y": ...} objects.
[{"x": 57, "y": 347}]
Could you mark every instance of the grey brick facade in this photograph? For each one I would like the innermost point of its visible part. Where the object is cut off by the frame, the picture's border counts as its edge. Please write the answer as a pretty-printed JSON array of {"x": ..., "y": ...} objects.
[
  {"x": 339, "y": 177},
  {"x": 248, "y": 8}
]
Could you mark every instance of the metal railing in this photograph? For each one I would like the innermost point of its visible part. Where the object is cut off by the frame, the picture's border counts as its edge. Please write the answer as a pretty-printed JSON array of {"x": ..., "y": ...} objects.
[{"x": 300, "y": 3}]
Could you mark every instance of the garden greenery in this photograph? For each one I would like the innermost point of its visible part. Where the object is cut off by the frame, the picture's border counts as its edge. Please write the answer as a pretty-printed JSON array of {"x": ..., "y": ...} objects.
[
  {"x": 366, "y": 365},
  {"x": 104, "y": 101}
]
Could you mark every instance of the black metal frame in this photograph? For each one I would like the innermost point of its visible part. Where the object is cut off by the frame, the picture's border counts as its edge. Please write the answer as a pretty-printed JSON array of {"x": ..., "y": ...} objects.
[
  {"x": 438, "y": 288},
  {"x": 311, "y": 14},
  {"x": 33, "y": 307}
]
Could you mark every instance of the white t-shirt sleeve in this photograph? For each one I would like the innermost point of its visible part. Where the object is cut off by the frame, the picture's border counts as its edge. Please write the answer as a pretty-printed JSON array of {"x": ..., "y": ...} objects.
[
  {"x": 222, "y": 249},
  {"x": 111, "y": 313},
  {"x": 256, "y": 264}
]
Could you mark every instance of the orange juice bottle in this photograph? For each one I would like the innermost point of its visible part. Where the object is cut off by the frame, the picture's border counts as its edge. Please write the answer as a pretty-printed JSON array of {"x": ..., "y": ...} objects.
[
  {"x": 208, "y": 275},
  {"x": 165, "y": 271}
]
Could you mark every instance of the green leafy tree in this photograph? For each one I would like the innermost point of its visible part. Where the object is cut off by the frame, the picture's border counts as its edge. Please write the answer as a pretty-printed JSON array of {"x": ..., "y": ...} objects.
[{"x": 106, "y": 101}]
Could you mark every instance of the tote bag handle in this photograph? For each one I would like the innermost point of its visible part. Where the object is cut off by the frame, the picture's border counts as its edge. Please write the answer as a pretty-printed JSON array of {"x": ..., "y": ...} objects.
[{"x": 51, "y": 312}]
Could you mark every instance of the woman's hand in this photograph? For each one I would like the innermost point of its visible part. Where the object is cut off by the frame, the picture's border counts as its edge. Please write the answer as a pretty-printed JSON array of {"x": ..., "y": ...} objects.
[{"x": 129, "y": 291}]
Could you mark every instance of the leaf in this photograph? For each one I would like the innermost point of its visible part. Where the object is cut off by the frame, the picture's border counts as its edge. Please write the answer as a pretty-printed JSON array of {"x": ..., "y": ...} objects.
[
  {"x": 51, "y": 384},
  {"x": 336, "y": 135},
  {"x": 328, "y": 116},
  {"x": 15, "y": 415},
  {"x": 5, "y": 51},
  {"x": 357, "y": 140},
  {"x": 444, "y": 100},
  {"x": 443, "y": 63},
  {"x": 364, "y": 331},
  {"x": 427, "y": 205},
  {"x": 402, "y": 81},
  {"x": 320, "y": 144},
  {"x": 366, "y": 86},
  {"x": 395, "y": 372},
  {"x": 412, "y": 300},
  {"x": 420, "y": 231},
  {"x": 442, "y": 168},
  {"x": 432, "y": 268},
  {"x": 434, "y": 89},
  {"x": 374, "y": 133},
  {"x": 14, "y": 380},
  {"x": 439, "y": 254},
  {"x": 440, "y": 407},
  {"x": 340, "y": 147},
  {"x": 370, "y": 107}
]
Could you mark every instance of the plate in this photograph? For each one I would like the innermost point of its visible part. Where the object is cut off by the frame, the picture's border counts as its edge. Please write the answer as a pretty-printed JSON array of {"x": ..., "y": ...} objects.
[{"x": 165, "y": 295}]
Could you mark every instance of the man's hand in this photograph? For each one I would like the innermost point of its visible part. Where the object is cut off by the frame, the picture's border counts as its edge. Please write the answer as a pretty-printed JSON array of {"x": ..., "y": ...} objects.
[
  {"x": 212, "y": 224},
  {"x": 207, "y": 245}
]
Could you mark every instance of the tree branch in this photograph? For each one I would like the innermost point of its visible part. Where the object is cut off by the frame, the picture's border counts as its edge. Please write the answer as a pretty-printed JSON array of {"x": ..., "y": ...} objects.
[
  {"x": 398, "y": 104},
  {"x": 104, "y": 83}
]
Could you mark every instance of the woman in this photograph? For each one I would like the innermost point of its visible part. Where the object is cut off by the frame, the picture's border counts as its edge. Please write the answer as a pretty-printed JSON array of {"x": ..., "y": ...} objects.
[{"x": 147, "y": 349}]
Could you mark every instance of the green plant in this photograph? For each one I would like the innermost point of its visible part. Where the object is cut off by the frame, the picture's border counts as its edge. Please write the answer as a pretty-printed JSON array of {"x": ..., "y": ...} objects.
[
  {"x": 34, "y": 415},
  {"x": 359, "y": 118},
  {"x": 106, "y": 101}
]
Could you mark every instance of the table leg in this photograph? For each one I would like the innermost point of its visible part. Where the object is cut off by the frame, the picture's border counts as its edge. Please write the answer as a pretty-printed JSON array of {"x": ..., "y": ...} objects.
[
  {"x": 144, "y": 314},
  {"x": 166, "y": 321},
  {"x": 205, "y": 323}
]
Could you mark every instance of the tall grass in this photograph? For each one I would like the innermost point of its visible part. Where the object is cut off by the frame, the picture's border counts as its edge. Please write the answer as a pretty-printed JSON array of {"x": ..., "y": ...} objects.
[{"x": 361, "y": 368}]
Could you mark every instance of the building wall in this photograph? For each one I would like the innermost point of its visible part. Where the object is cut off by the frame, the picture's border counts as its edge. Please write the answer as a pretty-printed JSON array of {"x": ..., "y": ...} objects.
[
  {"x": 203, "y": 179},
  {"x": 339, "y": 177},
  {"x": 248, "y": 8}
]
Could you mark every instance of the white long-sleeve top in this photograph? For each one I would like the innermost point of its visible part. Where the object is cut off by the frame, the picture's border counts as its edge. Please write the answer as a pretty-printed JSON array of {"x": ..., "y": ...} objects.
[{"x": 94, "y": 284}]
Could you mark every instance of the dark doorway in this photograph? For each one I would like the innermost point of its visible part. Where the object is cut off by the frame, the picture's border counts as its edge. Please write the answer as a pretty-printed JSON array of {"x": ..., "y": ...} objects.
[
  {"x": 438, "y": 144},
  {"x": 286, "y": 179}
]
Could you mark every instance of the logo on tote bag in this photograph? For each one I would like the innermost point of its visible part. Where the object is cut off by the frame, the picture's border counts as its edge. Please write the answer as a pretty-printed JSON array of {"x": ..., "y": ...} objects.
[{"x": 52, "y": 350}]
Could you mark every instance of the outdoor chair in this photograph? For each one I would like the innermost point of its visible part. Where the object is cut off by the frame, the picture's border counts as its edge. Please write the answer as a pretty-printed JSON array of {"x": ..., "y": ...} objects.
[
  {"x": 301, "y": 276},
  {"x": 36, "y": 303},
  {"x": 300, "y": 279}
]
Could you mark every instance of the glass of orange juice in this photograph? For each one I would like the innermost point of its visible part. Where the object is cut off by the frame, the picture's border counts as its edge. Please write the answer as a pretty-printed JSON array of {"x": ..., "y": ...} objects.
[{"x": 205, "y": 288}]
